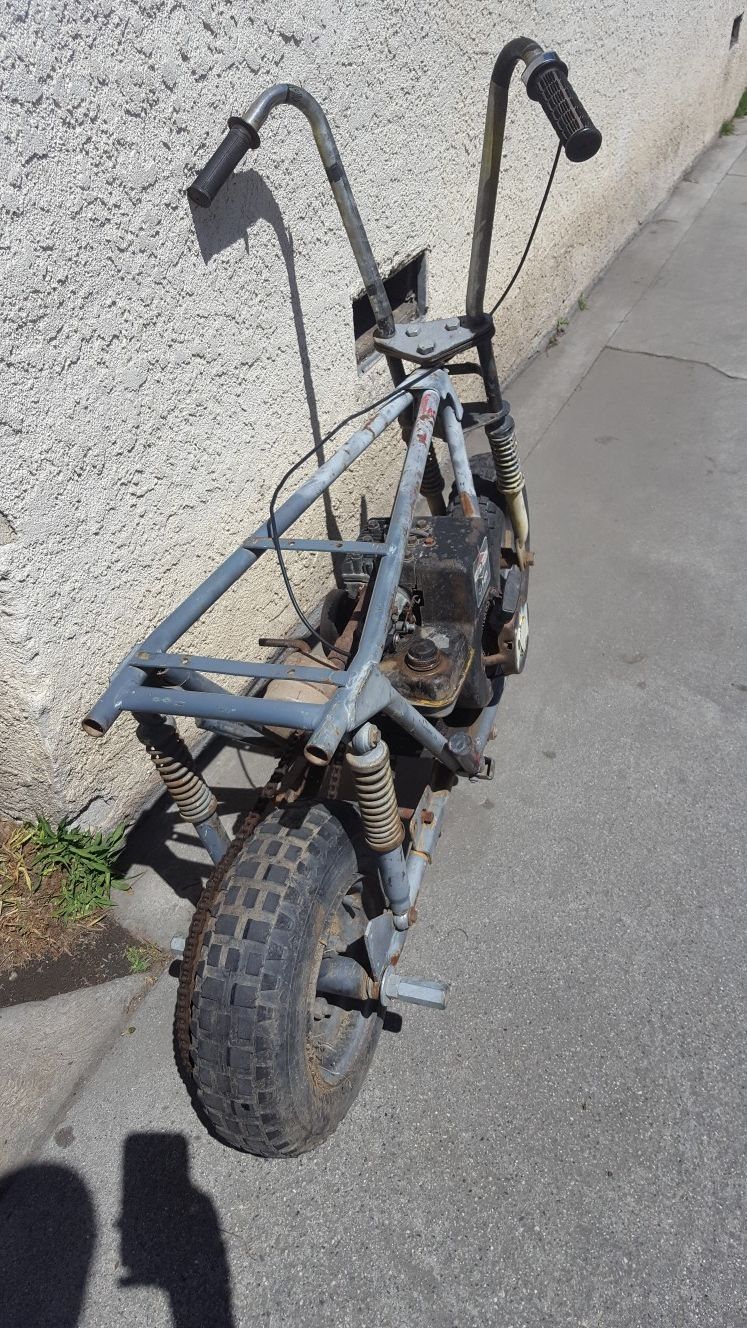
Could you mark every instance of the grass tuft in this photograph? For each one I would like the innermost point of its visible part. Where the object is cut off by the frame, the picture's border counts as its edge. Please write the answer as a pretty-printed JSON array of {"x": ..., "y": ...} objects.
[
  {"x": 140, "y": 957},
  {"x": 559, "y": 332},
  {"x": 726, "y": 129},
  {"x": 741, "y": 110},
  {"x": 82, "y": 862}
]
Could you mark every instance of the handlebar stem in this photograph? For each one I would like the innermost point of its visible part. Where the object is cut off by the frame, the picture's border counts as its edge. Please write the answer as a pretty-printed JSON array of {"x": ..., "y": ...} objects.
[
  {"x": 521, "y": 48},
  {"x": 291, "y": 95}
]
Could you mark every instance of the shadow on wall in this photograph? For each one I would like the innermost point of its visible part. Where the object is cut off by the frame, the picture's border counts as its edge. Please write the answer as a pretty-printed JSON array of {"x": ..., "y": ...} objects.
[
  {"x": 169, "y": 1234},
  {"x": 246, "y": 201}
]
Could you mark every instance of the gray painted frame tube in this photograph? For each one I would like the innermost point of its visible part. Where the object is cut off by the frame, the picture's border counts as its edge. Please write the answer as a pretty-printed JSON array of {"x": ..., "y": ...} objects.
[
  {"x": 459, "y": 459},
  {"x": 211, "y": 705},
  {"x": 103, "y": 714},
  {"x": 343, "y": 711},
  {"x": 292, "y": 95},
  {"x": 521, "y": 48},
  {"x": 235, "y": 668}
]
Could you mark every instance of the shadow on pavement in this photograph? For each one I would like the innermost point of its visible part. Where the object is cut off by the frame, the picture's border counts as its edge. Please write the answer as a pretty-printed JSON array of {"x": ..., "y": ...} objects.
[
  {"x": 47, "y": 1239},
  {"x": 170, "y": 1236}
]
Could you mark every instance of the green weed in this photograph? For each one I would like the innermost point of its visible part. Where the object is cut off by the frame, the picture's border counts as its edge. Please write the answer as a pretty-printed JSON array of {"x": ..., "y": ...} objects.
[
  {"x": 741, "y": 110},
  {"x": 559, "y": 332},
  {"x": 726, "y": 129},
  {"x": 83, "y": 861},
  {"x": 139, "y": 958},
  {"x": 583, "y": 303}
]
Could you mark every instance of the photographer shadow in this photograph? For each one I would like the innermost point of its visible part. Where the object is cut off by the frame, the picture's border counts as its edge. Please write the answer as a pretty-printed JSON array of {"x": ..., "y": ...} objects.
[
  {"x": 47, "y": 1242},
  {"x": 170, "y": 1236}
]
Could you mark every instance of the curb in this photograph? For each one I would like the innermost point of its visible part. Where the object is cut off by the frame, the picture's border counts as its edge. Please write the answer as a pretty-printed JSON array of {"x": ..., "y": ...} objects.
[{"x": 48, "y": 1049}]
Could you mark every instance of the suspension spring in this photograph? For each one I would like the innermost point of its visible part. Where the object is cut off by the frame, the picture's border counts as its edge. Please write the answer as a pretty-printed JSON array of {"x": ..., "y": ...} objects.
[
  {"x": 170, "y": 756},
  {"x": 508, "y": 473},
  {"x": 374, "y": 790},
  {"x": 432, "y": 484}
]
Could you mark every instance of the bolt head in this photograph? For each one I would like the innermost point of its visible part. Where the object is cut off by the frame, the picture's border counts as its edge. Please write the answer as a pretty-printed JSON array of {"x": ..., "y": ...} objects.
[
  {"x": 459, "y": 743},
  {"x": 452, "y": 324},
  {"x": 413, "y": 330},
  {"x": 425, "y": 347}
]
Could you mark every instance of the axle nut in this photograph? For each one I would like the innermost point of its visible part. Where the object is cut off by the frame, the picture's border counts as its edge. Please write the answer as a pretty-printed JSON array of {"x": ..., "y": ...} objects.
[{"x": 423, "y": 655}]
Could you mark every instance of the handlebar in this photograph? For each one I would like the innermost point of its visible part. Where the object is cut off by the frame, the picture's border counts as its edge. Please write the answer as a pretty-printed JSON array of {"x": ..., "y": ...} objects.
[
  {"x": 239, "y": 139},
  {"x": 244, "y": 134},
  {"x": 546, "y": 81},
  {"x": 545, "y": 76}
]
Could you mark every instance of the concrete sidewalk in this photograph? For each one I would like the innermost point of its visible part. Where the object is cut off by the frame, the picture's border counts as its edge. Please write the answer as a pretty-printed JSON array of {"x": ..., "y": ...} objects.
[{"x": 565, "y": 1146}]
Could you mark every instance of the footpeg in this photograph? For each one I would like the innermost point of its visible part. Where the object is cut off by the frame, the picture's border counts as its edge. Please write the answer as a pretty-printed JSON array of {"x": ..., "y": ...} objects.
[{"x": 416, "y": 991}]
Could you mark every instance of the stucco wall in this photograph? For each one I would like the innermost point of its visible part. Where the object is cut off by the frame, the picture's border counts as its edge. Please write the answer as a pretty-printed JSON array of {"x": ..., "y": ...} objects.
[{"x": 156, "y": 363}]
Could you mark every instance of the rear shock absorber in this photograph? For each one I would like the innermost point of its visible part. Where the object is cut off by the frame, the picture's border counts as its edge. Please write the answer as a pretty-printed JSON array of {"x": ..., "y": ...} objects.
[
  {"x": 383, "y": 830},
  {"x": 192, "y": 797},
  {"x": 509, "y": 479}
]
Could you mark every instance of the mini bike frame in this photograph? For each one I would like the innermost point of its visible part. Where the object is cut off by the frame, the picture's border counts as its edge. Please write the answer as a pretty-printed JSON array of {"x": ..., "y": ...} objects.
[{"x": 156, "y": 681}]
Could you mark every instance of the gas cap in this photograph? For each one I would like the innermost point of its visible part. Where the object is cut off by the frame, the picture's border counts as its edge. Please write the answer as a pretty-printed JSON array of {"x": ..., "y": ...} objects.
[{"x": 423, "y": 655}]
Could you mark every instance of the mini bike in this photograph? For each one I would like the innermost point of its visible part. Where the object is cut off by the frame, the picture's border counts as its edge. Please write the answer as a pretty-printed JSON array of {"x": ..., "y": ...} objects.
[{"x": 291, "y": 961}]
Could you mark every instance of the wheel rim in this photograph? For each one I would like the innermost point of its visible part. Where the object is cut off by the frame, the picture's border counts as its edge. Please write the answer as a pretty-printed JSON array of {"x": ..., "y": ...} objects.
[{"x": 339, "y": 1027}]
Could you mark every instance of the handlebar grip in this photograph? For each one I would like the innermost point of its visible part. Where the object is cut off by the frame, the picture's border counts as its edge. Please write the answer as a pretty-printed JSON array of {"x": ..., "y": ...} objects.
[
  {"x": 547, "y": 82},
  {"x": 239, "y": 139}
]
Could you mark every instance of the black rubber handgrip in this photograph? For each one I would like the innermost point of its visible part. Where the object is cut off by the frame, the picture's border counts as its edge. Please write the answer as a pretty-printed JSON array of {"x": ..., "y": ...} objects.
[
  {"x": 239, "y": 139},
  {"x": 549, "y": 85}
]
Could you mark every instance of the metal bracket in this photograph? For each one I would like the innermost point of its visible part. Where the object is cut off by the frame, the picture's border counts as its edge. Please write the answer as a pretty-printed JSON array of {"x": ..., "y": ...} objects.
[
  {"x": 486, "y": 771},
  {"x": 415, "y": 991},
  {"x": 434, "y": 340},
  {"x": 383, "y": 941}
]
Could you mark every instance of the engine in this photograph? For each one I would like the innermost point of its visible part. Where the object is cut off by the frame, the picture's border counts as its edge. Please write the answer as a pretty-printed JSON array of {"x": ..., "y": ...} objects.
[{"x": 450, "y": 582}]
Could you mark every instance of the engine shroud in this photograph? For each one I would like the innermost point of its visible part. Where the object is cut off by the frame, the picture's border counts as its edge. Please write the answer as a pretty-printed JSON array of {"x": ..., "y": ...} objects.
[{"x": 451, "y": 565}]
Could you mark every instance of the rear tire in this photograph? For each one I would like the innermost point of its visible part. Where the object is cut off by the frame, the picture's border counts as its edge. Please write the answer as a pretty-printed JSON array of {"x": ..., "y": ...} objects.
[{"x": 274, "y": 1076}]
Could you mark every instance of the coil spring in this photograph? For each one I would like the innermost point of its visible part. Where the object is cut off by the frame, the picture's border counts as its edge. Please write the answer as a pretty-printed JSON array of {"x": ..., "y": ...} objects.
[
  {"x": 377, "y": 800},
  {"x": 170, "y": 756},
  {"x": 508, "y": 473},
  {"x": 432, "y": 483}
]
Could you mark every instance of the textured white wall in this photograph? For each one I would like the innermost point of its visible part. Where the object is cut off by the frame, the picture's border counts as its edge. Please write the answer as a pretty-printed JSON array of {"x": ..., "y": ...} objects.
[{"x": 156, "y": 363}]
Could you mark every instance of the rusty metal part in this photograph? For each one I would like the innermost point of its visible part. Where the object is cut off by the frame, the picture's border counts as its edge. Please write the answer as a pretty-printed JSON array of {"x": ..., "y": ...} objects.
[
  {"x": 331, "y": 779},
  {"x": 376, "y": 797},
  {"x": 289, "y": 642},
  {"x": 470, "y": 508},
  {"x": 296, "y": 689},
  {"x": 512, "y": 643},
  {"x": 345, "y": 644},
  {"x": 423, "y": 655},
  {"x": 435, "y": 689},
  {"x": 346, "y": 640}
]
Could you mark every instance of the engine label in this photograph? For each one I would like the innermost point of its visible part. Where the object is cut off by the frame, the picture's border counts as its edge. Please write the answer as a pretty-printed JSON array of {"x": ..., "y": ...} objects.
[{"x": 481, "y": 572}]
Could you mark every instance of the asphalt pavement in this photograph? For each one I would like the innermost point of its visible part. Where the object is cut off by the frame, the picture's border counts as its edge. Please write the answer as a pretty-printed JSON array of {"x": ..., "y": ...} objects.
[{"x": 565, "y": 1145}]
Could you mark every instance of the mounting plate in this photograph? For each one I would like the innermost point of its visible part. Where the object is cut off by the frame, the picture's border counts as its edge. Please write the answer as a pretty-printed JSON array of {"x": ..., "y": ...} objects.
[{"x": 430, "y": 341}]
